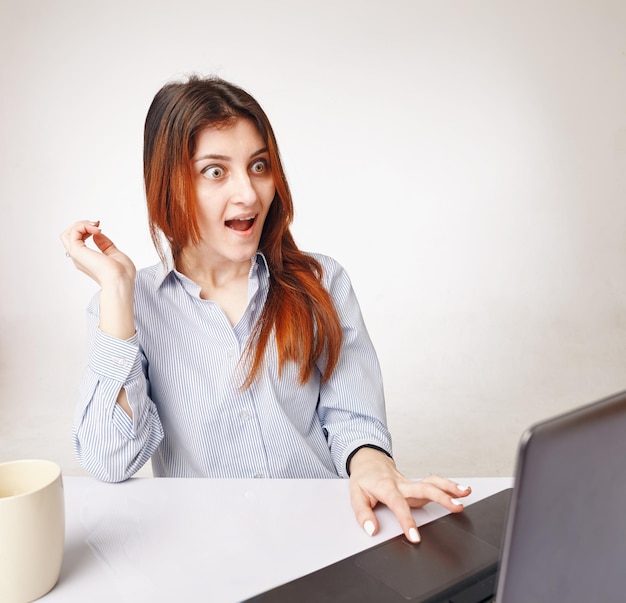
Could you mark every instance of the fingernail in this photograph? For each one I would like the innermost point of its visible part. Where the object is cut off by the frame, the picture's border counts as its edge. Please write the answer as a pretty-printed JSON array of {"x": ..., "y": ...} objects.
[
  {"x": 455, "y": 502},
  {"x": 462, "y": 488},
  {"x": 369, "y": 527},
  {"x": 414, "y": 535}
]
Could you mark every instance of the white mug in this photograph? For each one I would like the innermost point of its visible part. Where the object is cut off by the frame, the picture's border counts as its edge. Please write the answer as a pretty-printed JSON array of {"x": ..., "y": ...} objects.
[{"x": 32, "y": 529}]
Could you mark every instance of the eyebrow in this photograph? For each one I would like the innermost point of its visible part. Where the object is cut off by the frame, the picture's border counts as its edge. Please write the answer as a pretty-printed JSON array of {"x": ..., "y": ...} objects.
[{"x": 226, "y": 157}]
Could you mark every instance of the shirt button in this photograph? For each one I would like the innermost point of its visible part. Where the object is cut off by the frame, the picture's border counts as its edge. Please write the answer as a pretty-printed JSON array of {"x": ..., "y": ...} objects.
[
  {"x": 253, "y": 306},
  {"x": 119, "y": 361},
  {"x": 258, "y": 475},
  {"x": 245, "y": 415},
  {"x": 231, "y": 353}
]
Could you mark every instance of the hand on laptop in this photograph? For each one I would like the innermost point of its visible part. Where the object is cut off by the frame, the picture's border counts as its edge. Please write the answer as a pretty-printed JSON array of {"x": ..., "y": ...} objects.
[{"x": 375, "y": 479}]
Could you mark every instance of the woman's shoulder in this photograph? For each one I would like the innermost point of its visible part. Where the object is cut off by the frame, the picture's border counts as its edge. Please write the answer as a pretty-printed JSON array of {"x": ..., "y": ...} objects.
[
  {"x": 327, "y": 262},
  {"x": 151, "y": 277},
  {"x": 332, "y": 270},
  {"x": 149, "y": 272}
]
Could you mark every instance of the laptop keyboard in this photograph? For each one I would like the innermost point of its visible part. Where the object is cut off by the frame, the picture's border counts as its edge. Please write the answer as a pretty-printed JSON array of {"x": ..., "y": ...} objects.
[{"x": 483, "y": 591}]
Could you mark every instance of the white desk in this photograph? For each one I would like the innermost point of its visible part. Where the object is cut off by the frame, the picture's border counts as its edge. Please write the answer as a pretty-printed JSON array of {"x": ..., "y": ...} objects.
[{"x": 210, "y": 540}]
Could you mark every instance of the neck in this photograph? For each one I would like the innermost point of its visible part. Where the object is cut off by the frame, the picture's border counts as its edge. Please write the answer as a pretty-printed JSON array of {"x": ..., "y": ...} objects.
[{"x": 213, "y": 275}]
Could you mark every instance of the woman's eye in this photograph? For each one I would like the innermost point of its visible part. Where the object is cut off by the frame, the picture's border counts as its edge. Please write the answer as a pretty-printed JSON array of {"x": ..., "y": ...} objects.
[
  {"x": 213, "y": 171},
  {"x": 258, "y": 167}
]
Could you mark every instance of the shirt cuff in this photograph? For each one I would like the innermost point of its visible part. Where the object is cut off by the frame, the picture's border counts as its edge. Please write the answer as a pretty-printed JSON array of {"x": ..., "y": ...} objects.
[{"x": 114, "y": 358}]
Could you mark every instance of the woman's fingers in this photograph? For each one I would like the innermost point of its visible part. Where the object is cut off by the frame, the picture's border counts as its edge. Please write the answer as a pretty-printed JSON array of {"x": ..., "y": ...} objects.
[
  {"x": 75, "y": 236},
  {"x": 106, "y": 263},
  {"x": 400, "y": 495},
  {"x": 375, "y": 479},
  {"x": 104, "y": 244},
  {"x": 399, "y": 506},
  {"x": 437, "y": 489},
  {"x": 363, "y": 506}
]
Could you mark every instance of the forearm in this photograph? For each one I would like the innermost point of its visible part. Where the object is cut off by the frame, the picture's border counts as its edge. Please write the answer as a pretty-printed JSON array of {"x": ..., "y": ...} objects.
[
  {"x": 117, "y": 320},
  {"x": 116, "y": 428},
  {"x": 108, "y": 443},
  {"x": 116, "y": 309}
]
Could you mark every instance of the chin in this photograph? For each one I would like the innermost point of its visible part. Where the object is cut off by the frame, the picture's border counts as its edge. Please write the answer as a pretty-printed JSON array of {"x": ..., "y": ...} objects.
[{"x": 243, "y": 257}]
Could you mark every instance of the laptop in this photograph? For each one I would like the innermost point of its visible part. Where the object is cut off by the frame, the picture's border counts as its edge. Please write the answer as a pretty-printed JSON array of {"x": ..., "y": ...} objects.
[{"x": 558, "y": 536}]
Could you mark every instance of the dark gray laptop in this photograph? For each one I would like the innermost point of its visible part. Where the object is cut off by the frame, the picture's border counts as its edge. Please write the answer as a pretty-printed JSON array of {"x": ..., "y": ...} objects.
[{"x": 559, "y": 536}]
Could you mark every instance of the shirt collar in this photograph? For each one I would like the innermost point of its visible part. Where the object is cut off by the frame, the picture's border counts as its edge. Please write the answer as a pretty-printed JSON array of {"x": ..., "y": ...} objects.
[
  {"x": 166, "y": 267},
  {"x": 163, "y": 269}
]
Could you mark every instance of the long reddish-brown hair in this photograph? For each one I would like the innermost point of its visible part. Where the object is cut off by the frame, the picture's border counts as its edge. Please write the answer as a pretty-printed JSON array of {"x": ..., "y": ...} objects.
[{"x": 298, "y": 308}]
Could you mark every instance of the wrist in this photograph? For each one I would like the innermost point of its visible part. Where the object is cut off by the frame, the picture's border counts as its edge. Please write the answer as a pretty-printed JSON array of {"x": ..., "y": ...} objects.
[
  {"x": 117, "y": 311},
  {"x": 363, "y": 451}
]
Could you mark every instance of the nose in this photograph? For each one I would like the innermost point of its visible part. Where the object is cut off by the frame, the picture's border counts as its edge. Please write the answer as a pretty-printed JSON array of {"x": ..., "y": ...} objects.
[{"x": 243, "y": 191}]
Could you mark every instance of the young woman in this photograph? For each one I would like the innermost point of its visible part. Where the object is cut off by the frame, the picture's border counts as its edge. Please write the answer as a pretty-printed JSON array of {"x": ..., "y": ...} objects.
[{"x": 238, "y": 355}]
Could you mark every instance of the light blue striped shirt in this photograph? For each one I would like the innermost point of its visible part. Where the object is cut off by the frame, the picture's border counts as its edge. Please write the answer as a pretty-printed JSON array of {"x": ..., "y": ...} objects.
[{"x": 182, "y": 376}]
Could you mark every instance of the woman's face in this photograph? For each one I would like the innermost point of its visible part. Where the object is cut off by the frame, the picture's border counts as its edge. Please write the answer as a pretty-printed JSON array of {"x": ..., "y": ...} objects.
[{"x": 234, "y": 190}]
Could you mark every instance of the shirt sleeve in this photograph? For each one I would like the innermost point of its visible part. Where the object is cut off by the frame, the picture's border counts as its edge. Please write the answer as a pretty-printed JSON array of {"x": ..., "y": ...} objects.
[
  {"x": 108, "y": 443},
  {"x": 352, "y": 403}
]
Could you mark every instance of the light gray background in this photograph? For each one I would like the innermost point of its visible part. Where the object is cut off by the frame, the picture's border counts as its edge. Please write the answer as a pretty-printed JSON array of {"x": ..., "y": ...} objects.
[{"x": 464, "y": 160}]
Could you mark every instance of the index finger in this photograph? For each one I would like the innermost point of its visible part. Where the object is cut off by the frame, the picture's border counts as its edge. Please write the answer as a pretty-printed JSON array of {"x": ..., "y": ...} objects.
[
  {"x": 399, "y": 506},
  {"x": 79, "y": 232}
]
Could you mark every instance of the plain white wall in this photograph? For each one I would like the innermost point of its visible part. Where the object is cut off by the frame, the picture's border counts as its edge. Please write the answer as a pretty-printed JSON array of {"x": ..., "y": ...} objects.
[{"x": 465, "y": 160}]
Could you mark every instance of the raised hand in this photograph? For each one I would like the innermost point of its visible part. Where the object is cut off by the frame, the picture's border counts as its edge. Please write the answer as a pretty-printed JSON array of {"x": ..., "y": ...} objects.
[
  {"x": 111, "y": 269},
  {"x": 105, "y": 265}
]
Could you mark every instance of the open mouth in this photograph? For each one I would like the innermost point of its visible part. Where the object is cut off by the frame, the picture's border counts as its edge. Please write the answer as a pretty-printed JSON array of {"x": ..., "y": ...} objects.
[{"x": 240, "y": 224}]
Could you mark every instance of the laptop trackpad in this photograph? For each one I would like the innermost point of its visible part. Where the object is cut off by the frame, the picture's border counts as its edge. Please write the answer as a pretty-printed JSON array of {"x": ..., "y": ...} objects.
[{"x": 445, "y": 556}]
